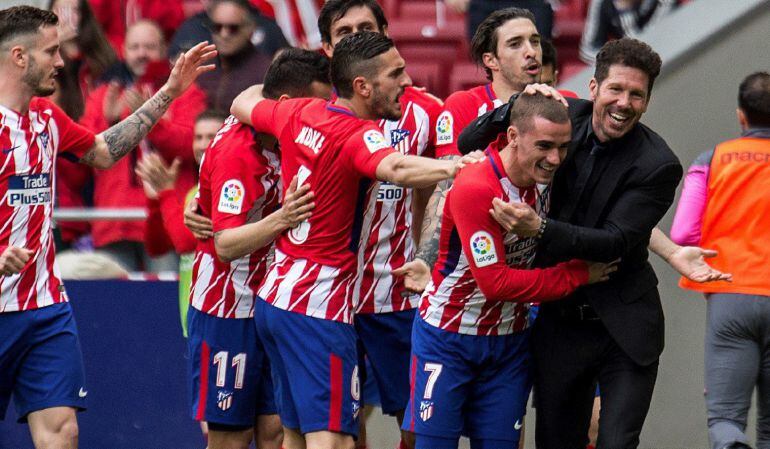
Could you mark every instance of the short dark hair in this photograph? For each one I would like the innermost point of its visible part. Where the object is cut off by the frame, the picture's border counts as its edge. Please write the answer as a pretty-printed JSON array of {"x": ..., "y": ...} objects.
[
  {"x": 485, "y": 38},
  {"x": 355, "y": 55},
  {"x": 754, "y": 99},
  {"x": 293, "y": 71},
  {"x": 630, "y": 53},
  {"x": 21, "y": 20},
  {"x": 333, "y": 10},
  {"x": 211, "y": 114},
  {"x": 549, "y": 53},
  {"x": 527, "y": 107}
]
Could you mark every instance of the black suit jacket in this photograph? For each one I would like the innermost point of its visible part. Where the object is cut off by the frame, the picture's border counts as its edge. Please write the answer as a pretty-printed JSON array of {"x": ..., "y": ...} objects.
[{"x": 629, "y": 198}]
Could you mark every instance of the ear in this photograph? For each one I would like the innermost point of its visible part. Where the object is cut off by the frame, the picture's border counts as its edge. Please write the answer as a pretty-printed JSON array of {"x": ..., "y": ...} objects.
[
  {"x": 742, "y": 120},
  {"x": 491, "y": 62},
  {"x": 555, "y": 77},
  {"x": 328, "y": 49},
  {"x": 385, "y": 30},
  {"x": 512, "y": 133},
  {"x": 362, "y": 87},
  {"x": 593, "y": 87},
  {"x": 19, "y": 56},
  {"x": 283, "y": 97}
]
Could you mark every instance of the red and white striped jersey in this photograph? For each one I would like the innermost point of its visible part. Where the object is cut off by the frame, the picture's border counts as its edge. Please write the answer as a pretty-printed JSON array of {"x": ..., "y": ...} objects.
[
  {"x": 298, "y": 20},
  {"x": 388, "y": 224},
  {"x": 326, "y": 146},
  {"x": 29, "y": 145},
  {"x": 460, "y": 109},
  {"x": 481, "y": 283},
  {"x": 239, "y": 183}
]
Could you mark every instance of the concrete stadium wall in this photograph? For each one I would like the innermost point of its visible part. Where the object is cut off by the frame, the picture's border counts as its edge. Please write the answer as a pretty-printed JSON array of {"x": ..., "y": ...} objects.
[{"x": 707, "y": 47}]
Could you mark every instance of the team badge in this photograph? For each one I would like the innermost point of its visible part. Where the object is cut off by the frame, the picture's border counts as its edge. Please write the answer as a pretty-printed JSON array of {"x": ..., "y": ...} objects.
[
  {"x": 44, "y": 138},
  {"x": 444, "y": 131},
  {"x": 399, "y": 139},
  {"x": 483, "y": 249},
  {"x": 224, "y": 400},
  {"x": 375, "y": 141},
  {"x": 426, "y": 410},
  {"x": 231, "y": 198}
]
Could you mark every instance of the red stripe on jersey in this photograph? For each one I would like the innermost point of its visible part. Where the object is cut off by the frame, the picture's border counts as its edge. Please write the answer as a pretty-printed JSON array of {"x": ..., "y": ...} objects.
[
  {"x": 388, "y": 222},
  {"x": 335, "y": 397},
  {"x": 203, "y": 388}
]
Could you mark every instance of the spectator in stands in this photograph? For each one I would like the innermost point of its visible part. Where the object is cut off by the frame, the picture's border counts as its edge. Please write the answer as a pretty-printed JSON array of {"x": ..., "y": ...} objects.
[
  {"x": 724, "y": 206},
  {"x": 478, "y": 10},
  {"x": 613, "y": 19},
  {"x": 240, "y": 63},
  {"x": 267, "y": 37},
  {"x": 116, "y": 16},
  {"x": 87, "y": 55},
  {"x": 146, "y": 67},
  {"x": 165, "y": 229}
]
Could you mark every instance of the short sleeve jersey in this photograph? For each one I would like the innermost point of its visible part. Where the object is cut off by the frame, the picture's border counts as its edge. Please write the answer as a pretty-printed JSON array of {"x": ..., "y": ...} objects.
[
  {"x": 337, "y": 154},
  {"x": 388, "y": 217},
  {"x": 475, "y": 251},
  {"x": 460, "y": 109},
  {"x": 239, "y": 184},
  {"x": 29, "y": 144}
]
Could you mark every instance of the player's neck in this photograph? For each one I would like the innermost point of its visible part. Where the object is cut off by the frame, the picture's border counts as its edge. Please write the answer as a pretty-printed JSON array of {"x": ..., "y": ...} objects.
[
  {"x": 14, "y": 95},
  {"x": 503, "y": 90},
  {"x": 357, "y": 107}
]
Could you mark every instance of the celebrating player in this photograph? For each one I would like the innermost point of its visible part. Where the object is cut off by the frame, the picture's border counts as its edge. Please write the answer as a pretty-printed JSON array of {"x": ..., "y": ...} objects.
[
  {"x": 40, "y": 359},
  {"x": 306, "y": 317},
  {"x": 470, "y": 362},
  {"x": 239, "y": 191},
  {"x": 384, "y": 312}
]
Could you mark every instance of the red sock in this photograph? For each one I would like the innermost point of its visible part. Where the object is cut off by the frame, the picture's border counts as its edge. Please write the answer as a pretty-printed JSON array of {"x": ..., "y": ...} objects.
[
  {"x": 590, "y": 447},
  {"x": 402, "y": 445}
]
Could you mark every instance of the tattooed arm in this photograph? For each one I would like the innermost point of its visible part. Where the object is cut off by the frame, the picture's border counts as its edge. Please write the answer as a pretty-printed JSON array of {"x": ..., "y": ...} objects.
[{"x": 117, "y": 141}]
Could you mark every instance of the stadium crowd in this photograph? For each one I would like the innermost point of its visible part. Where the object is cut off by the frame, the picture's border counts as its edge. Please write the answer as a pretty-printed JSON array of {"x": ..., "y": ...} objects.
[{"x": 344, "y": 227}]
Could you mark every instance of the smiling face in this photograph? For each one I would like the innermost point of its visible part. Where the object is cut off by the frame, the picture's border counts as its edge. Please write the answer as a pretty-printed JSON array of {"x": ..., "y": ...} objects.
[
  {"x": 44, "y": 61},
  {"x": 231, "y": 28},
  {"x": 518, "y": 55},
  {"x": 388, "y": 85},
  {"x": 355, "y": 19},
  {"x": 619, "y": 101},
  {"x": 144, "y": 43},
  {"x": 537, "y": 151}
]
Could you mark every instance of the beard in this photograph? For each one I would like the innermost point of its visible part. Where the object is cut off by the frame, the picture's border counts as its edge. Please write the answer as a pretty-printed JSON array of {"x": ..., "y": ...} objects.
[
  {"x": 384, "y": 107},
  {"x": 34, "y": 77}
]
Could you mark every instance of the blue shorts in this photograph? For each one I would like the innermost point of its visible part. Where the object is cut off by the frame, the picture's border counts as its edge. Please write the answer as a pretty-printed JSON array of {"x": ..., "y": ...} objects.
[
  {"x": 40, "y": 360},
  {"x": 469, "y": 385},
  {"x": 386, "y": 340},
  {"x": 229, "y": 373},
  {"x": 315, "y": 369}
]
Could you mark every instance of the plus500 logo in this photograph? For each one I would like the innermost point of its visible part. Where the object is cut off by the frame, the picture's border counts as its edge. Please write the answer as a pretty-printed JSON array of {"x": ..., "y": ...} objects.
[{"x": 390, "y": 192}]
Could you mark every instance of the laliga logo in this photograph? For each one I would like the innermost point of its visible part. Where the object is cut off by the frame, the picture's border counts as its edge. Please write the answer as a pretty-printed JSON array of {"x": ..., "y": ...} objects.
[
  {"x": 444, "y": 124},
  {"x": 481, "y": 245},
  {"x": 375, "y": 139},
  {"x": 232, "y": 192}
]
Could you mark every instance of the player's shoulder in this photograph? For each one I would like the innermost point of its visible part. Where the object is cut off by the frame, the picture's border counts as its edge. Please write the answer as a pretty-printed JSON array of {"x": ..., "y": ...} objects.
[
  {"x": 469, "y": 96},
  {"x": 477, "y": 180},
  {"x": 422, "y": 97}
]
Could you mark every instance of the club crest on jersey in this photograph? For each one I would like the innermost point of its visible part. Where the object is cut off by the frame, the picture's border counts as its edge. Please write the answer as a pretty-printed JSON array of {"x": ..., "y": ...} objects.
[
  {"x": 43, "y": 139},
  {"x": 483, "y": 249},
  {"x": 375, "y": 141},
  {"x": 224, "y": 400},
  {"x": 231, "y": 198},
  {"x": 426, "y": 410},
  {"x": 444, "y": 131}
]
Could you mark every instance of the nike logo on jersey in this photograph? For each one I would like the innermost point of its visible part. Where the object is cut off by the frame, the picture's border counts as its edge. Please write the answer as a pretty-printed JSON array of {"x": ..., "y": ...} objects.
[
  {"x": 82, "y": 393},
  {"x": 518, "y": 425},
  {"x": 310, "y": 138},
  {"x": 8, "y": 150}
]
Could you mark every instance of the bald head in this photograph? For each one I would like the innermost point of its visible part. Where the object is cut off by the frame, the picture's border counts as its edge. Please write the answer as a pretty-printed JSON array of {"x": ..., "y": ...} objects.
[{"x": 144, "y": 43}]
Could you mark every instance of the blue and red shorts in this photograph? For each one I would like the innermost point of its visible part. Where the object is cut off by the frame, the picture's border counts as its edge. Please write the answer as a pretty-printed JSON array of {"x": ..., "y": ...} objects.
[
  {"x": 315, "y": 369},
  {"x": 229, "y": 372},
  {"x": 40, "y": 360},
  {"x": 470, "y": 385},
  {"x": 386, "y": 341}
]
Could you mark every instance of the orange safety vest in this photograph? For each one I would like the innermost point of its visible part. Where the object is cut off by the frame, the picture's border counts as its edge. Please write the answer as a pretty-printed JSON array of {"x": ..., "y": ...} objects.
[{"x": 736, "y": 221}]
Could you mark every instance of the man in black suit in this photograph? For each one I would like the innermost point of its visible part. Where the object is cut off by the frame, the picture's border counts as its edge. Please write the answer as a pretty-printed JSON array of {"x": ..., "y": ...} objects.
[{"x": 616, "y": 183}]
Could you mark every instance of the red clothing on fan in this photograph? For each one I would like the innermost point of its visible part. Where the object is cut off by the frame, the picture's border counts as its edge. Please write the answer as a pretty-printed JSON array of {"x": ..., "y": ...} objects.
[
  {"x": 116, "y": 15},
  {"x": 119, "y": 186},
  {"x": 165, "y": 230}
]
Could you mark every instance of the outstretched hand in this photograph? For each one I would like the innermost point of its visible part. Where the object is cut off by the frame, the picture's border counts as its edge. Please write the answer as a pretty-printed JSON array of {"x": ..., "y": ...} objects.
[
  {"x": 690, "y": 262},
  {"x": 416, "y": 275},
  {"x": 188, "y": 67}
]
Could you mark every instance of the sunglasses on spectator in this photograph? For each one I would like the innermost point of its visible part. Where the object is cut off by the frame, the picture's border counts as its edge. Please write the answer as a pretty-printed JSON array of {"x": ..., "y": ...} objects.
[{"x": 232, "y": 28}]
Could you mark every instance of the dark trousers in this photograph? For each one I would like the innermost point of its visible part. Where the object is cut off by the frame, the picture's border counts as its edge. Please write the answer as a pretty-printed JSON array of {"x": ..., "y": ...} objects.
[{"x": 570, "y": 356}]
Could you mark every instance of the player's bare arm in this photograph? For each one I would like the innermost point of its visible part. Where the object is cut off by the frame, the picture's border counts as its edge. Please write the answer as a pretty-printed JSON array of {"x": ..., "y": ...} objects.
[
  {"x": 418, "y": 172},
  {"x": 245, "y": 102},
  {"x": 114, "y": 143},
  {"x": 231, "y": 244}
]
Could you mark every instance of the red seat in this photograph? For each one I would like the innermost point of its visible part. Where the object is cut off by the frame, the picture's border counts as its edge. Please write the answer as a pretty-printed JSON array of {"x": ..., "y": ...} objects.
[
  {"x": 466, "y": 75},
  {"x": 430, "y": 75}
]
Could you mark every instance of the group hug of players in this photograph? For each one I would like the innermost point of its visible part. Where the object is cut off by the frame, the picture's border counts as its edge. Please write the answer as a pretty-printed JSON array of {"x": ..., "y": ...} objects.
[{"x": 295, "y": 288}]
